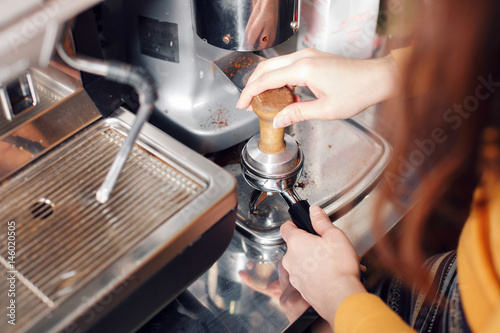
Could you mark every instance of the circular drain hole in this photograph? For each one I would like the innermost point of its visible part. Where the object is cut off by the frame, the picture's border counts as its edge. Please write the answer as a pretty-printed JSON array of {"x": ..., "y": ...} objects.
[{"x": 42, "y": 209}]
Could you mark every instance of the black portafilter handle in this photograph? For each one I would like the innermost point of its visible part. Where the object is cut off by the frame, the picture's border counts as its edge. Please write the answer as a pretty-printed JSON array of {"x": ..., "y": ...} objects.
[
  {"x": 300, "y": 216},
  {"x": 299, "y": 210}
]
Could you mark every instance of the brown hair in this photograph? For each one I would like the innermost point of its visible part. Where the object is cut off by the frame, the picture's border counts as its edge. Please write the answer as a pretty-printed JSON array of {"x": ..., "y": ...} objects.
[{"x": 456, "y": 50}]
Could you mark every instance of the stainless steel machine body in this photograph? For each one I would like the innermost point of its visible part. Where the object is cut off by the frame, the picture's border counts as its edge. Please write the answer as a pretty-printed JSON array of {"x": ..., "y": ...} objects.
[
  {"x": 75, "y": 261},
  {"x": 246, "y": 25},
  {"x": 197, "y": 100},
  {"x": 29, "y": 30},
  {"x": 74, "y": 254}
]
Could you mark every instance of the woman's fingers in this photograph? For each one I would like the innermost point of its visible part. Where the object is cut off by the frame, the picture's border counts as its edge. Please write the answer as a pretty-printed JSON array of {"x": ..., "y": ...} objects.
[
  {"x": 300, "y": 111},
  {"x": 273, "y": 79},
  {"x": 271, "y": 65},
  {"x": 280, "y": 62},
  {"x": 277, "y": 72},
  {"x": 320, "y": 221},
  {"x": 287, "y": 230}
]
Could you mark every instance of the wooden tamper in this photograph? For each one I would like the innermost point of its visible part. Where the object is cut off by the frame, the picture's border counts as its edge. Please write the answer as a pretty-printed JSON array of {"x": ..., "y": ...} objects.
[{"x": 266, "y": 106}]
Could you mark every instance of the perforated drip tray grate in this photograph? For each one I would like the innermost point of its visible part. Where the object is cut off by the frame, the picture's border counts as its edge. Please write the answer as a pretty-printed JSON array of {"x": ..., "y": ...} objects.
[{"x": 64, "y": 238}]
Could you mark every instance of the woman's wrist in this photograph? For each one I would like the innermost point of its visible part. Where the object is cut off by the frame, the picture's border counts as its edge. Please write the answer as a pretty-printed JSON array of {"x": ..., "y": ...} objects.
[
  {"x": 347, "y": 288},
  {"x": 383, "y": 78}
]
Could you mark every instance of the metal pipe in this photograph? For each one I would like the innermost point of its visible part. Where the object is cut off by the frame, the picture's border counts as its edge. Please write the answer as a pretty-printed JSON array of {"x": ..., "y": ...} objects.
[
  {"x": 290, "y": 196},
  {"x": 85, "y": 64},
  {"x": 144, "y": 85}
]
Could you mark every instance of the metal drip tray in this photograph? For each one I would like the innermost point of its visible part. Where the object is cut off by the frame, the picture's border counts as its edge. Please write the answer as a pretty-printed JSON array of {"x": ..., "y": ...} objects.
[
  {"x": 70, "y": 250},
  {"x": 343, "y": 161}
]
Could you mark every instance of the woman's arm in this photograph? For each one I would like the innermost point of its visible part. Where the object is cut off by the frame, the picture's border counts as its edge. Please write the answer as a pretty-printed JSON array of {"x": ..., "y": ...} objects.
[{"x": 343, "y": 86}]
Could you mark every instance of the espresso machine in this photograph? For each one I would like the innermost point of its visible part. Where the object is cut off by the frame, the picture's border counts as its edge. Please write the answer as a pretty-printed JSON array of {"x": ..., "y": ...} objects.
[
  {"x": 116, "y": 217},
  {"x": 106, "y": 208}
]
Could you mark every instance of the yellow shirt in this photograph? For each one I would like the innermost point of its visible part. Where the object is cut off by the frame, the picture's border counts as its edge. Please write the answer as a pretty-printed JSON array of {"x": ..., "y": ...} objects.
[{"x": 478, "y": 269}]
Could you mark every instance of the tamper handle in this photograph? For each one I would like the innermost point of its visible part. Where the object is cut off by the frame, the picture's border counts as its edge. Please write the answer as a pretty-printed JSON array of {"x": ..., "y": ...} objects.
[{"x": 266, "y": 106}]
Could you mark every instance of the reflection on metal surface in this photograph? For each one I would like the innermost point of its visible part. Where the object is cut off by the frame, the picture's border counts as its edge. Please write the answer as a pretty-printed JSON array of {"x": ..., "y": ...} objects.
[
  {"x": 255, "y": 199},
  {"x": 41, "y": 126},
  {"x": 245, "y": 25},
  {"x": 243, "y": 289},
  {"x": 38, "y": 134},
  {"x": 24, "y": 144},
  {"x": 342, "y": 162},
  {"x": 237, "y": 295}
]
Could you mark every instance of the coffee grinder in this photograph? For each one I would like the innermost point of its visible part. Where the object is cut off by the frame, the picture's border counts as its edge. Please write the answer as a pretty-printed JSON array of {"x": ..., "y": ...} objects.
[{"x": 180, "y": 43}]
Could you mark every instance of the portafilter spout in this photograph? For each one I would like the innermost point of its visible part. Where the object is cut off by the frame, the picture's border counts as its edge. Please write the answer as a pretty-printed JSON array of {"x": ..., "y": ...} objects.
[{"x": 272, "y": 161}]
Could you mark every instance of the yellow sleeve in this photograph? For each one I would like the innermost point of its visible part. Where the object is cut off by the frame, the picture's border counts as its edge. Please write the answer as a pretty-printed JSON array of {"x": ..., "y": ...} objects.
[
  {"x": 493, "y": 324},
  {"x": 478, "y": 256},
  {"x": 364, "y": 312}
]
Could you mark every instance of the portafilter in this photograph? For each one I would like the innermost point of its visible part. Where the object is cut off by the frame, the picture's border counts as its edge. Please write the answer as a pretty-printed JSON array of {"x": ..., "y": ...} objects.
[{"x": 272, "y": 161}]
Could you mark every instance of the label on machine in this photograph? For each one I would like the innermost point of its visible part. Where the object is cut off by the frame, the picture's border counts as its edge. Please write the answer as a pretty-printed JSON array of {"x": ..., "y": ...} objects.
[{"x": 158, "y": 39}]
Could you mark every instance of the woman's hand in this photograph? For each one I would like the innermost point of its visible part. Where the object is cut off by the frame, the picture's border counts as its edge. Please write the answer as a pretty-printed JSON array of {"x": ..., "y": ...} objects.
[
  {"x": 325, "y": 269},
  {"x": 343, "y": 86}
]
